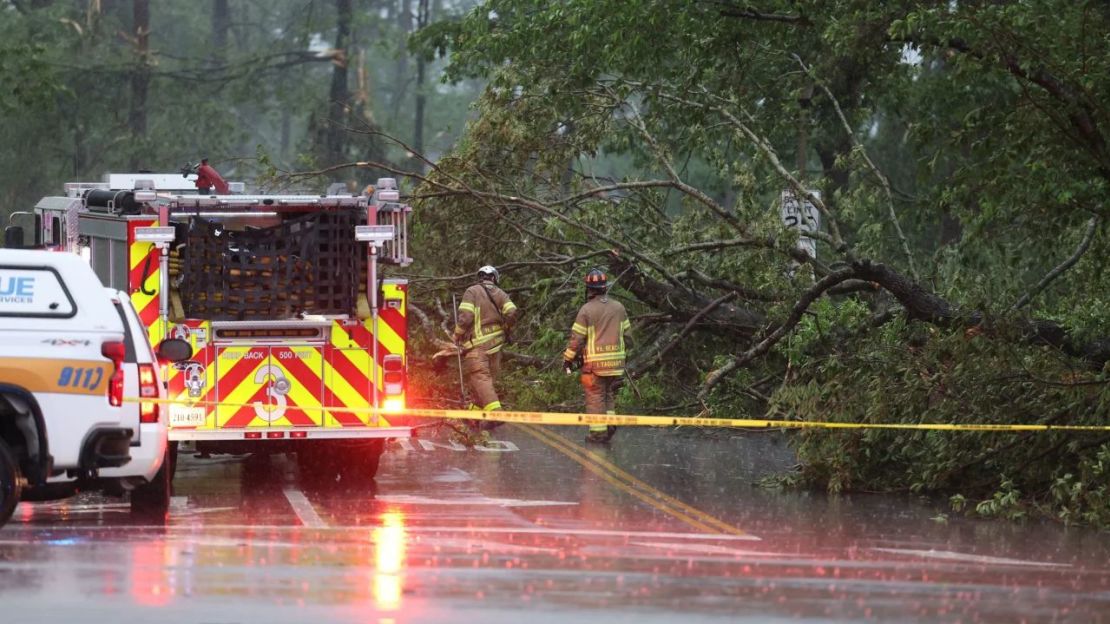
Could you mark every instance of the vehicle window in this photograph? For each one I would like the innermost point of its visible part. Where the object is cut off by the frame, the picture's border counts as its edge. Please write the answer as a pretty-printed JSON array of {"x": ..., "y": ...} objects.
[
  {"x": 34, "y": 292},
  {"x": 128, "y": 338}
]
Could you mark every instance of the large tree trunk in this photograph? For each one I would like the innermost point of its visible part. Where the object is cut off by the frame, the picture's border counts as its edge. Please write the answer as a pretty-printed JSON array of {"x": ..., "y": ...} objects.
[
  {"x": 140, "y": 77},
  {"x": 339, "y": 95},
  {"x": 422, "y": 20},
  {"x": 401, "y": 69},
  {"x": 683, "y": 306},
  {"x": 922, "y": 304},
  {"x": 221, "y": 26}
]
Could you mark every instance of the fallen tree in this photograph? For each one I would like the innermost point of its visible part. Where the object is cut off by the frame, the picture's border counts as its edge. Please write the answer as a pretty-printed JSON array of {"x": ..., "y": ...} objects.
[{"x": 955, "y": 273}]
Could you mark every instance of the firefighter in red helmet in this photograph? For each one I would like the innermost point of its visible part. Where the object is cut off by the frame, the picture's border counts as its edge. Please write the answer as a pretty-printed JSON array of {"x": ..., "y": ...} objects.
[{"x": 597, "y": 336}]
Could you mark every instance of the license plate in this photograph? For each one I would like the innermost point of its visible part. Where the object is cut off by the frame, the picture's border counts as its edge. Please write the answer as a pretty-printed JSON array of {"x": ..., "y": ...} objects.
[{"x": 185, "y": 416}]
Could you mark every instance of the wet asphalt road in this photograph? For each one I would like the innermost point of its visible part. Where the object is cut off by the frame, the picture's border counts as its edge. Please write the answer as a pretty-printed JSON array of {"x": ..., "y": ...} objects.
[{"x": 662, "y": 527}]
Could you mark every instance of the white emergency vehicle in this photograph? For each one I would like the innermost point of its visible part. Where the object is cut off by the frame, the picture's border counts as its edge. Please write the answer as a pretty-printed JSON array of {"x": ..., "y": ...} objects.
[{"x": 61, "y": 374}]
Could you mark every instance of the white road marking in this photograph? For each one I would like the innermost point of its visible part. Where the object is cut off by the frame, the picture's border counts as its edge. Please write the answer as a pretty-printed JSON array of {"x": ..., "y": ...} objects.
[
  {"x": 409, "y": 499},
  {"x": 306, "y": 513},
  {"x": 948, "y": 555},
  {"x": 192, "y": 528},
  {"x": 454, "y": 475},
  {"x": 711, "y": 549},
  {"x": 463, "y": 543}
]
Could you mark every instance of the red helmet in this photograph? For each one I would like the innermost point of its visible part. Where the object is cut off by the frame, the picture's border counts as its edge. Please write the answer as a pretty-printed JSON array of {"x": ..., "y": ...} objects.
[{"x": 596, "y": 280}]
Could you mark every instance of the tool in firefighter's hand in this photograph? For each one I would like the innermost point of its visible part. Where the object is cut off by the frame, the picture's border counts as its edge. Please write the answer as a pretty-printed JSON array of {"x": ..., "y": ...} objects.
[
  {"x": 458, "y": 354},
  {"x": 574, "y": 364}
]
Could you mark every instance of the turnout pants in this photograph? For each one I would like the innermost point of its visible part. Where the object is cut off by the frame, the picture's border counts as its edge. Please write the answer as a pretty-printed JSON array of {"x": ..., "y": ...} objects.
[
  {"x": 480, "y": 368},
  {"x": 600, "y": 393}
]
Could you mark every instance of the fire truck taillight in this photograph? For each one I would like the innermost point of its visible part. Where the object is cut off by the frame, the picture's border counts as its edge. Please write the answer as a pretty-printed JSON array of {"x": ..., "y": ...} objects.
[
  {"x": 115, "y": 351},
  {"x": 393, "y": 375},
  {"x": 148, "y": 389},
  {"x": 393, "y": 383}
]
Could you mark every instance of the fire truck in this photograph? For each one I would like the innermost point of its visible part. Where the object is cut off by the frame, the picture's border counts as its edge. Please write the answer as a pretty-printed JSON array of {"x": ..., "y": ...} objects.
[{"x": 299, "y": 341}]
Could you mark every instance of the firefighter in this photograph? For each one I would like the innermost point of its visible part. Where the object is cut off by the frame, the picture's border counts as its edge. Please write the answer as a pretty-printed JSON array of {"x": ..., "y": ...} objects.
[
  {"x": 486, "y": 315},
  {"x": 600, "y": 328}
]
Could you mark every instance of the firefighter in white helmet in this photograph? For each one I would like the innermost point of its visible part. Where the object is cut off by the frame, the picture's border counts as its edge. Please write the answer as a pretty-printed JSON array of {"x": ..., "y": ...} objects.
[
  {"x": 486, "y": 316},
  {"x": 600, "y": 329}
]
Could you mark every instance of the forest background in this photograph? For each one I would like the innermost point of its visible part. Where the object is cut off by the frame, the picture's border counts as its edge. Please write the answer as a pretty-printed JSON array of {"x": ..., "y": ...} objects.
[{"x": 955, "y": 153}]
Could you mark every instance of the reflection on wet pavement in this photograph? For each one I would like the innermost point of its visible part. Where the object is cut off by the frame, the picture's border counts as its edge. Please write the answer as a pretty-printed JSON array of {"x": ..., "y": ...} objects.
[{"x": 659, "y": 527}]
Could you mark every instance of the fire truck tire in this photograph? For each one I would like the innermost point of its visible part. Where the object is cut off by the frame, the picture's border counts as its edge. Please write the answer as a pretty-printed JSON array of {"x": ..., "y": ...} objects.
[
  {"x": 11, "y": 483},
  {"x": 317, "y": 464},
  {"x": 360, "y": 461},
  {"x": 349, "y": 463},
  {"x": 151, "y": 501}
]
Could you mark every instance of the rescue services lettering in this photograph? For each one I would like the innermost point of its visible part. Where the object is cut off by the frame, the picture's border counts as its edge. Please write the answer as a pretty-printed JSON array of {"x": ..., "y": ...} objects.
[{"x": 17, "y": 290}]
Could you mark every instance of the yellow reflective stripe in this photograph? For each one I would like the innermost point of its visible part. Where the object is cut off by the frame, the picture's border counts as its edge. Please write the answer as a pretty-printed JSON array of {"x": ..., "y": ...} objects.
[
  {"x": 466, "y": 306},
  {"x": 626, "y": 324},
  {"x": 599, "y": 428},
  {"x": 508, "y": 307},
  {"x": 569, "y": 354},
  {"x": 302, "y": 396},
  {"x": 496, "y": 349},
  {"x": 578, "y": 328},
  {"x": 61, "y": 376},
  {"x": 608, "y": 357},
  {"x": 496, "y": 405},
  {"x": 484, "y": 338}
]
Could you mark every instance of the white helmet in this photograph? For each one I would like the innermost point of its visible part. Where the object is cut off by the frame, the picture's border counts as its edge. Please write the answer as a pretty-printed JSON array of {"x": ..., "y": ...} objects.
[{"x": 489, "y": 272}]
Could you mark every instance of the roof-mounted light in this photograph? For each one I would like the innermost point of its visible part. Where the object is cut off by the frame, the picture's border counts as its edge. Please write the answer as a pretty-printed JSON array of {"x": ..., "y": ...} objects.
[
  {"x": 374, "y": 234},
  {"x": 154, "y": 234}
]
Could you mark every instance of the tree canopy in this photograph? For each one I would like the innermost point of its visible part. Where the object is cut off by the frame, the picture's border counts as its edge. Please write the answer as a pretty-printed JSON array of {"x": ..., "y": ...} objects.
[{"x": 956, "y": 153}]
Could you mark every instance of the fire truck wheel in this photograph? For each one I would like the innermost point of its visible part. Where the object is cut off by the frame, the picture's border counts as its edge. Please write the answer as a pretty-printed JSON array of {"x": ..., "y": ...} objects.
[
  {"x": 317, "y": 464},
  {"x": 360, "y": 461},
  {"x": 151, "y": 501},
  {"x": 11, "y": 483}
]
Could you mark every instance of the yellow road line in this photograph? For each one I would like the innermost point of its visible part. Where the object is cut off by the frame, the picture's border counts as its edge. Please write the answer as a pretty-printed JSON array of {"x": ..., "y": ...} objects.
[
  {"x": 633, "y": 486},
  {"x": 637, "y": 483},
  {"x": 597, "y": 470}
]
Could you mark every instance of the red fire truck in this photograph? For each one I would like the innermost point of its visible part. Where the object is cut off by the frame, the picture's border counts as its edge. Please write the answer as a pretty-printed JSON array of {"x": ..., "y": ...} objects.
[{"x": 299, "y": 341}]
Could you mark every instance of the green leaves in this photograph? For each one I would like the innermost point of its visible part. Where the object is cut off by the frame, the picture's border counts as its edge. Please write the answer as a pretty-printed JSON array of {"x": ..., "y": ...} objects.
[{"x": 984, "y": 119}]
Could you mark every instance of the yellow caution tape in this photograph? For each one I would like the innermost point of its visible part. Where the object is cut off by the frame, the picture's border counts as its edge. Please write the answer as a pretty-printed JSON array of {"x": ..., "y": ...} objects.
[{"x": 625, "y": 420}]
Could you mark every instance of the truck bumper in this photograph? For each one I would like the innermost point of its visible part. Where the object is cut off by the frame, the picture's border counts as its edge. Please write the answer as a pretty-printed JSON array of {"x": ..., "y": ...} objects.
[
  {"x": 274, "y": 434},
  {"x": 108, "y": 447}
]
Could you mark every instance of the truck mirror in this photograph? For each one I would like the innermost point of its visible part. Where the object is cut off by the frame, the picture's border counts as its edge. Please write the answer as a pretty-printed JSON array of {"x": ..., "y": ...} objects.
[
  {"x": 174, "y": 350},
  {"x": 13, "y": 237}
]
